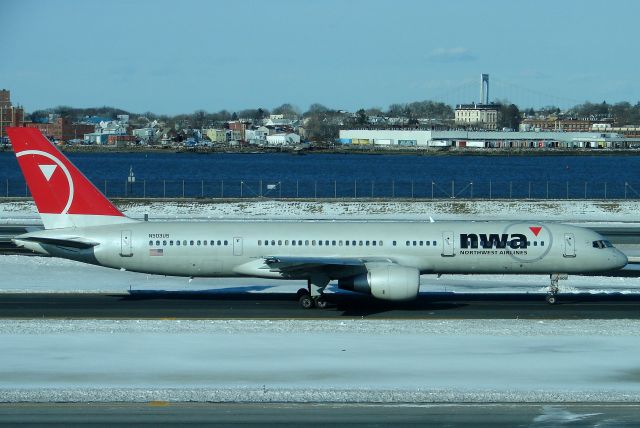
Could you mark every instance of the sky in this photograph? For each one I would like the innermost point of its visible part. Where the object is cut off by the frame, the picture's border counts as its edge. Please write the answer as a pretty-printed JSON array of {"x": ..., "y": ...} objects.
[{"x": 172, "y": 57}]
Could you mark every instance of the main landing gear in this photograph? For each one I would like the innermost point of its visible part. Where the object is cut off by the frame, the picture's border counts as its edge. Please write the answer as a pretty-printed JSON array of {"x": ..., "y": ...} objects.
[
  {"x": 312, "y": 296},
  {"x": 552, "y": 294}
]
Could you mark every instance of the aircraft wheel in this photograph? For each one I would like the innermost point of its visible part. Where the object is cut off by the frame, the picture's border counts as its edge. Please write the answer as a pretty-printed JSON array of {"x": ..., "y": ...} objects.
[
  {"x": 306, "y": 301},
  {"x": 301, "y": 292},
  {"x": 321, "y": 303},
  {"x": 551, "y": 299}
]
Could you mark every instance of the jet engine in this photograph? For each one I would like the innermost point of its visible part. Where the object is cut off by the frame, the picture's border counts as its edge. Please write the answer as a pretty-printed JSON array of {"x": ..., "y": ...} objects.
[{"x": 387, "y": 282}]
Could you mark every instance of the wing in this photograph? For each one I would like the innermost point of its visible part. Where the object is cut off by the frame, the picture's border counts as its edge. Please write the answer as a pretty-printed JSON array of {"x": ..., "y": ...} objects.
[{"x": 335, "y": 267}]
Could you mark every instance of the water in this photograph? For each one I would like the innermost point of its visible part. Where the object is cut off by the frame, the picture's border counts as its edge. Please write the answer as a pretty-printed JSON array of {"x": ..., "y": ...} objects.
[{"x": 329, "y": 175}]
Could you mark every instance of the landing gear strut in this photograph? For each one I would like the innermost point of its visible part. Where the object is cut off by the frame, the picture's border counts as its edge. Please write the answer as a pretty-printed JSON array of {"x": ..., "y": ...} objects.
[
  {"x": 312, "y": 296},
  {"x": 552, "y": 294}
]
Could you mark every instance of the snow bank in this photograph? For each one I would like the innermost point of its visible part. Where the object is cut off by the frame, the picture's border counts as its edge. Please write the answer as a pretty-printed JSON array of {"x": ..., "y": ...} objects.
[
  {"x": 331, "y": 361},
  {"x": 549, "y": 210}
]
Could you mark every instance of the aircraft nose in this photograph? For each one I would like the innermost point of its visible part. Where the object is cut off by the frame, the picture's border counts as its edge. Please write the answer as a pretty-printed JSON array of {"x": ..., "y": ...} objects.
[{"x": 620, "y": 259}]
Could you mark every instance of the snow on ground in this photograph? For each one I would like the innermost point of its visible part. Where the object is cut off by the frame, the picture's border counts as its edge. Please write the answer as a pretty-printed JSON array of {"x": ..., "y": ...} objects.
[
  {"x": 555, "y": 210},
  {"x": 335, "y": 361},
  {"x": 352, "y": 360},
  {"x": 51, "y": 275}
]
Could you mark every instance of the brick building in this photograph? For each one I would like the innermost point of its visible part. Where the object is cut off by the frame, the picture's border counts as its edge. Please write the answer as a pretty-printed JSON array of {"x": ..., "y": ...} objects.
[
  {"x": 62, "y": 129},
  {"x": 553, "y": 123},
  {"x": 9, "y": 115}
]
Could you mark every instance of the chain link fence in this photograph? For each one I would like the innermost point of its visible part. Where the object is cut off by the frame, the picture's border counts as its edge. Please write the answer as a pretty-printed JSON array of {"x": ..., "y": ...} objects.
[{"x": 356, "y": 189}]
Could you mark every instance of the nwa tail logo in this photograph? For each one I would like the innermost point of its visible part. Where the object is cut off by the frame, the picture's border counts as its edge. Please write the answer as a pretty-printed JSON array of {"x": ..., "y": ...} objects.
[{"x": 493, "y": 240}]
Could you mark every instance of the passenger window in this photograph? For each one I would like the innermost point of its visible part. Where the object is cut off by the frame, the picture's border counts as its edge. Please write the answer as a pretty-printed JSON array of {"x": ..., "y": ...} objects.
[
  {"x": 347, "y": 243},
  {"x": 286, "y": 242},
  {"x": 212, "y": 242},
  {"x": 204, "y": 242},
  {"x": 293, "y": 242},
  {"x": 340, "y": 243},
  {"x": 326, "y": 243},
  {"x": 535, "y": 243},
  {"x": 373, "y": 243},
  {"x": 199, "y": 242},
  {"x": 380, "y": 243},
  {"x": 414, "y": 243},
  {"x": 359, "y": 243},
  {"x": 259, "y": 242},
  {"x": 184, "y": 242},
  {"x": 227, "y": 242},
  {"x": 306, "y": 242},
  {"x": 150, "y": 242},
  {"x": 313, "y": 242},
  {"x": 178, "y": 243},
  {"x": 299, "y": 241},
  {"x": 421, "y": 242},
  {"x": 164, "y": 243},
  {"x": 353, "y": 243},
  {"x": 273, "y": 242},
  {"x": 408, "y": 243},
  {"x": 366, "y": 243},
  {"x": 190, "y": 242},
  {"x": 279, "y": 241},
  {"x": 333, "y": 243},
  {"x": 434, "y": 243},
  {"x": 542, "y": 243},
  {"x": 157, "y": 243},
  {"x": 427, "y": 243},
  {"x": 394, "y": 243},
  {"x": 170, "y": 243},
  {"x": 220, "y": 242},
  {"x": 320, "y": 242}
]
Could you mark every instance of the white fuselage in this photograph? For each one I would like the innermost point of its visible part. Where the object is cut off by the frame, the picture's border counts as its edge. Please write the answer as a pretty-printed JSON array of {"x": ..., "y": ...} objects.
[{"x": 239, "y": 248}]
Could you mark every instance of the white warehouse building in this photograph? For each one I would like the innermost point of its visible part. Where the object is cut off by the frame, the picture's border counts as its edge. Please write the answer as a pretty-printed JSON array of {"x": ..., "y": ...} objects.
[{"x": 484, "y": 139}]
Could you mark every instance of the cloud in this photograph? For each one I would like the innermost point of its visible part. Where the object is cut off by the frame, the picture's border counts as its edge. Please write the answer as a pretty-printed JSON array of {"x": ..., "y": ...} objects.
[{"x": 451, "y": 55}]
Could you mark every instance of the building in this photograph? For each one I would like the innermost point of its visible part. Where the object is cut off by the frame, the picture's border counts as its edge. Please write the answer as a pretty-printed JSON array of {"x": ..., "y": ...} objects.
[
  {"x": 485, "y": 139},
  {"x": 9, "y": 114},
  {"x": 283, "y": 139},
  {"x": 477, "y": 115},
  {"x": 257, "y": 136},
  {"x": 554, "y": 123},
  {"x": 61, "y": 129},
  {"x": 238, "y": 127},
  {"x": 217, "y": 136}
]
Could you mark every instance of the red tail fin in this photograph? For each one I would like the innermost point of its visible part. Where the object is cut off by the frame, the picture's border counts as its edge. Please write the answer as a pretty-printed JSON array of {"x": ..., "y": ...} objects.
[{"x": 63, "y": 195}]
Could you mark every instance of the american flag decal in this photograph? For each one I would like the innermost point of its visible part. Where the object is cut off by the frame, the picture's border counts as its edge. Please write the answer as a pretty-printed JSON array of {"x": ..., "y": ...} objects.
[{"x": 156, "y": 252}]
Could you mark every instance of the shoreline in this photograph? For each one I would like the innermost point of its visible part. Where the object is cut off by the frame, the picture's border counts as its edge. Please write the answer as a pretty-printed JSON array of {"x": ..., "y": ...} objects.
[{"x": 367, "y": 151}]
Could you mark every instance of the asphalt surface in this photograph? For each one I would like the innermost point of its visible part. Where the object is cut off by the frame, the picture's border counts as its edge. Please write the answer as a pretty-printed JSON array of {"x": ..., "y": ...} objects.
[
  {"x": 192, "y": 305},
  {"x": 334, "y": 415}
]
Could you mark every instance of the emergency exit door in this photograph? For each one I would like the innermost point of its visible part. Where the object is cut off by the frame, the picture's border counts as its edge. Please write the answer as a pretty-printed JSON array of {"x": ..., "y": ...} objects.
[
  {"x": 237, "y": 246},
  {"x": 447, "y": 244},
  {"x": 126, "y": 249},
  {"x": 569, "y": 245}
]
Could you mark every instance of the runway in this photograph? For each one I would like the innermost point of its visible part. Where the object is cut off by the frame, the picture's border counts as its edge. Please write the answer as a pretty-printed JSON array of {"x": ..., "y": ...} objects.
[
  {"x": 193, "y": 305},
  {"x": 215, "y": 414}
]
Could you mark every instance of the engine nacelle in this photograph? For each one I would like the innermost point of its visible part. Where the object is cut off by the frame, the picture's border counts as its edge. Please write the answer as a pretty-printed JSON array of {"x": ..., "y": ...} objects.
[{"x": 387, "y": 282}]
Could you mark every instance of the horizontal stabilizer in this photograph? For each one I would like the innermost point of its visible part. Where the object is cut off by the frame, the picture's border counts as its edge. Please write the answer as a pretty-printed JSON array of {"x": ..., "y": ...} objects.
[{"x": 72, "y": 242}]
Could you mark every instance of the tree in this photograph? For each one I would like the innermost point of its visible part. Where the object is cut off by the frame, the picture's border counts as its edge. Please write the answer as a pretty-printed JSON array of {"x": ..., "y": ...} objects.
[
  {"x": 288, "y": 110},
  {"x": 361, "y": 118},
  {"x": 509, "y": 116}
]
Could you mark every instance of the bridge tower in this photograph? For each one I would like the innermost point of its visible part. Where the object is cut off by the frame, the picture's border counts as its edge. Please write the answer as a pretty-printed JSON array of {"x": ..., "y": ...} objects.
[{"x": 484, "y": 89}]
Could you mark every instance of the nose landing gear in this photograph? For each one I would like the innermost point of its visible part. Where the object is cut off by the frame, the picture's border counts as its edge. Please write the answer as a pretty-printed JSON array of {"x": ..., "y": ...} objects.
[{"x": 552, "y": 294}]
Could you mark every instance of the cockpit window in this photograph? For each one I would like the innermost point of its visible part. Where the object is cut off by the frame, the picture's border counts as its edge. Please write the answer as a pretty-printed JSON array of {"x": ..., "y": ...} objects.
[{"x": 602, "y": 244}]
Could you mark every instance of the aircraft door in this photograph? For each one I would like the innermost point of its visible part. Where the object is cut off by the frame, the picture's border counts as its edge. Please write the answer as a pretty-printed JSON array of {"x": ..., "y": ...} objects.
[
  {"x": 447, "y": 244},
  {"x": 237, "y": 246},
  {"x": 569, "y": 245},
  {"x": 126, "y": 249}
]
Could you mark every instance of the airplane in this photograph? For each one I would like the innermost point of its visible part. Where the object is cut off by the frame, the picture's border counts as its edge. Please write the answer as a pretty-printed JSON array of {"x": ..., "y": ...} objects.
[{"x": 381, "y": 258}]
